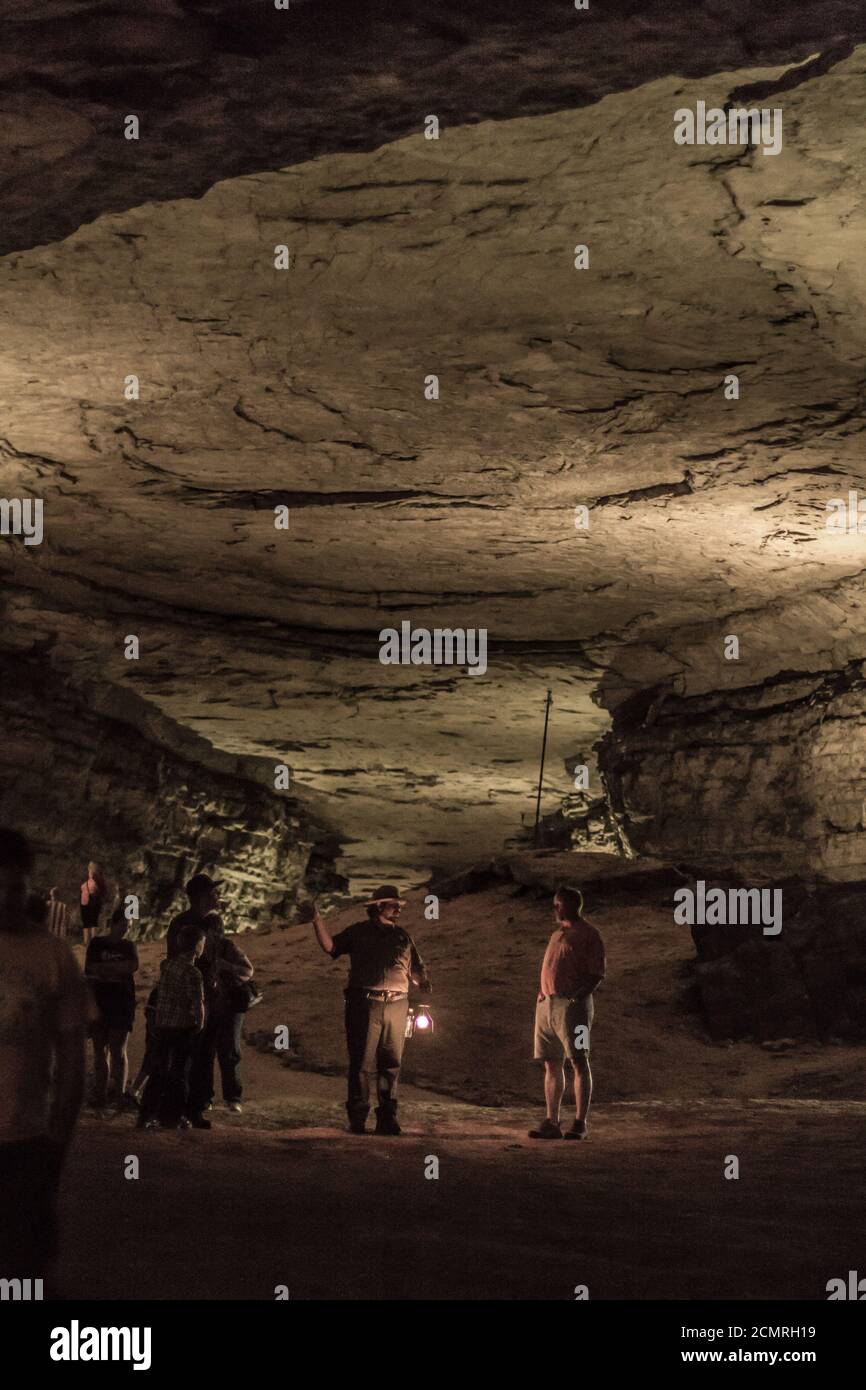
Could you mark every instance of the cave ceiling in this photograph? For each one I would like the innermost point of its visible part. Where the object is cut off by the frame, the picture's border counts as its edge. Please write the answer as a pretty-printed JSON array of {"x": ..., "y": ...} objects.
[{"x": 558, "y": 388}]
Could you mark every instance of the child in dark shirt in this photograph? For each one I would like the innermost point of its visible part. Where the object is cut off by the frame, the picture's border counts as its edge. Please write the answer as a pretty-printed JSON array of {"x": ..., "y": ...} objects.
[{"x": 109, "y": 967}]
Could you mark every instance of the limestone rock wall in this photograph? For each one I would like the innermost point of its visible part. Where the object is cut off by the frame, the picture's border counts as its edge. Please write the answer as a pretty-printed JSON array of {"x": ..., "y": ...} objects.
[
  {"x": 84, "y": 782},
  {"x": 766, "y": 781},
  {"x": 763, "y": 785}
]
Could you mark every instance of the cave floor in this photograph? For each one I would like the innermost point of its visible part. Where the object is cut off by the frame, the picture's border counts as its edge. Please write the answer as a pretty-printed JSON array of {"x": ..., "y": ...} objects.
[{"x": 283, "y": 1196}]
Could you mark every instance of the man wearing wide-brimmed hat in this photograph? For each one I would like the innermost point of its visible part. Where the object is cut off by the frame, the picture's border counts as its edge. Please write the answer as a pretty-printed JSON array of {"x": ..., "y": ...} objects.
[{"x": 383, "y": 964}]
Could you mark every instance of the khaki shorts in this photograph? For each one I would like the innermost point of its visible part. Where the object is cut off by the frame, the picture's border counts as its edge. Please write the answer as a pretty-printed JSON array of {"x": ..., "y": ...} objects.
[{"x": 556, "y": 1021}]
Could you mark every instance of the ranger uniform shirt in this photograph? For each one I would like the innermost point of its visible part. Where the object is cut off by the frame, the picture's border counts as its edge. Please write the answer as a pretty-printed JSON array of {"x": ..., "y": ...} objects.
[{"x": 382, "y": 956}]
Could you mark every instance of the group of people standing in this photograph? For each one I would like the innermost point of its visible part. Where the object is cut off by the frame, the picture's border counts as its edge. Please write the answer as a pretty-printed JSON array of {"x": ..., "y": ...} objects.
[
  {"x": 385, "y": 963},
  {"x": 193, "y": 1017},
  {"x": 198, "y": 1011}
]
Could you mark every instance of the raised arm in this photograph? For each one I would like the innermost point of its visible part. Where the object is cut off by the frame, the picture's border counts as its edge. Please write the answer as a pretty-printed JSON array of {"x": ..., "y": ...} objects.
[{"x": 323, "y": 936}]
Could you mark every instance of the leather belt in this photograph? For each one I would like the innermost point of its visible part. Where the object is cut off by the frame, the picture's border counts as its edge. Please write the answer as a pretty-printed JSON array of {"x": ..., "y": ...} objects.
[{"x": 386, "y": 996}]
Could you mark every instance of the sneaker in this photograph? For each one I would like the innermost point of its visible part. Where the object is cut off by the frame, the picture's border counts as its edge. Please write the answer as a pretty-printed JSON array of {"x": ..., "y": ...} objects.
[
  {"x": 184, "y": 1123},
  {"x": 199, "y": 1122},
  {"x": 235, "y": 1107},
  {"x": 142, "y": 1123},
  {"x": 578, "y": 1130},
  {"x": 548, "y": 1129},
  {"x": 357, "y": 1127}
]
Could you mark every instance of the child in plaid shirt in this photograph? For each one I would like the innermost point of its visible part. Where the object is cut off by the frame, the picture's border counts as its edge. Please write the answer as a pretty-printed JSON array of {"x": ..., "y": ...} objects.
[{"x": 179, "y": 1017}]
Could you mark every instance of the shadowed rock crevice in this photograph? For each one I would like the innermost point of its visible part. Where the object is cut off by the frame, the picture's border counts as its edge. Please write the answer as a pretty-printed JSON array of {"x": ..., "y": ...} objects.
[
  {"x": 225, "y": 87},
  {"x": 810, "y": 982}
]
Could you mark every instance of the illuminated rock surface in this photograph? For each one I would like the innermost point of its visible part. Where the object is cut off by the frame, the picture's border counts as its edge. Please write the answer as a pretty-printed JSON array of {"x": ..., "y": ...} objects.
[
  {"x": 107, "y": 776},
  {"x": 558, "y": 388}
]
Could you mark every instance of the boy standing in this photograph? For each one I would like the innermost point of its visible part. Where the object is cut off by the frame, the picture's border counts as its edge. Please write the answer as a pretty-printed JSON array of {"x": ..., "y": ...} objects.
[{"x": 179, "y": 1018}]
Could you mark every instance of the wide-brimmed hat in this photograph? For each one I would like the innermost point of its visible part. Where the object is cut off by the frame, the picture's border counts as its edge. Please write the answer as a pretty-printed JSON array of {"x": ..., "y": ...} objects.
[
  {"x": 202, "y": 883},
  {"x": 386, "y": 894}
]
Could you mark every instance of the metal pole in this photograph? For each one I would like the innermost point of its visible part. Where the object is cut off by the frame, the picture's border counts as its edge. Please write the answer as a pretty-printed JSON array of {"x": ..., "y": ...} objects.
[{"x": 547, "y": 705}]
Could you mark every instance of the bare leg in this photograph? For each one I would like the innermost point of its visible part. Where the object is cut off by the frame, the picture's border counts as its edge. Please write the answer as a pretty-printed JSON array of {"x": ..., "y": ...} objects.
[
  {"x": 138, "y": 1083},
  {"x": 119, "y": 1062},
  {"x": 582, "y": 1085},
  {"x": 554, "y": 1085}
]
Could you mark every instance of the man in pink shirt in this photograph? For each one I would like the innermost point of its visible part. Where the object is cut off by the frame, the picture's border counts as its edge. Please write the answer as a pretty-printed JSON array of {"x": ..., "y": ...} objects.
[{"x": 573, "y": 966}]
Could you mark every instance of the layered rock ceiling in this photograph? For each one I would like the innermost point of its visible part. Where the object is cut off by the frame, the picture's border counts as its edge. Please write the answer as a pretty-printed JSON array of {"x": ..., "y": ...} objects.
[{"x": 558, "y": 388}]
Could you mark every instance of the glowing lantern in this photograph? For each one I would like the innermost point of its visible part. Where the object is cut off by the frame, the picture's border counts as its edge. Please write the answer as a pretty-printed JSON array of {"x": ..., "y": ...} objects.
[{"x": 418, "y": 1020}]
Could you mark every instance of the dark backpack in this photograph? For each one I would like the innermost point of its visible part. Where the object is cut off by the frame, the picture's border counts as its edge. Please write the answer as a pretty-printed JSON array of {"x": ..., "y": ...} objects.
[{"x": 243, "y": 997}]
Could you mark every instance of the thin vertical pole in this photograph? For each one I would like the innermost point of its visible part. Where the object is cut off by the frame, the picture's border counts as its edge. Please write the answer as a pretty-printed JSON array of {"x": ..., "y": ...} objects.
[{"x": 547, "y": 705}]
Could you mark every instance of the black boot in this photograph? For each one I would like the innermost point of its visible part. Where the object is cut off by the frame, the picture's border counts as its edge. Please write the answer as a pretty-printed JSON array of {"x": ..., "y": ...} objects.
[
  {"x": 386, "y": 1118},
  {"x": 357, "y": 1118}
]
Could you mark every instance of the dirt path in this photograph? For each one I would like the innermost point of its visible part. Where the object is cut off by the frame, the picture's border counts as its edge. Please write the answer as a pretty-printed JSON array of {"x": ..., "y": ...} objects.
[
  {"x": 484, "y": 956},
  {"x": 282, "y": 1195}
]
